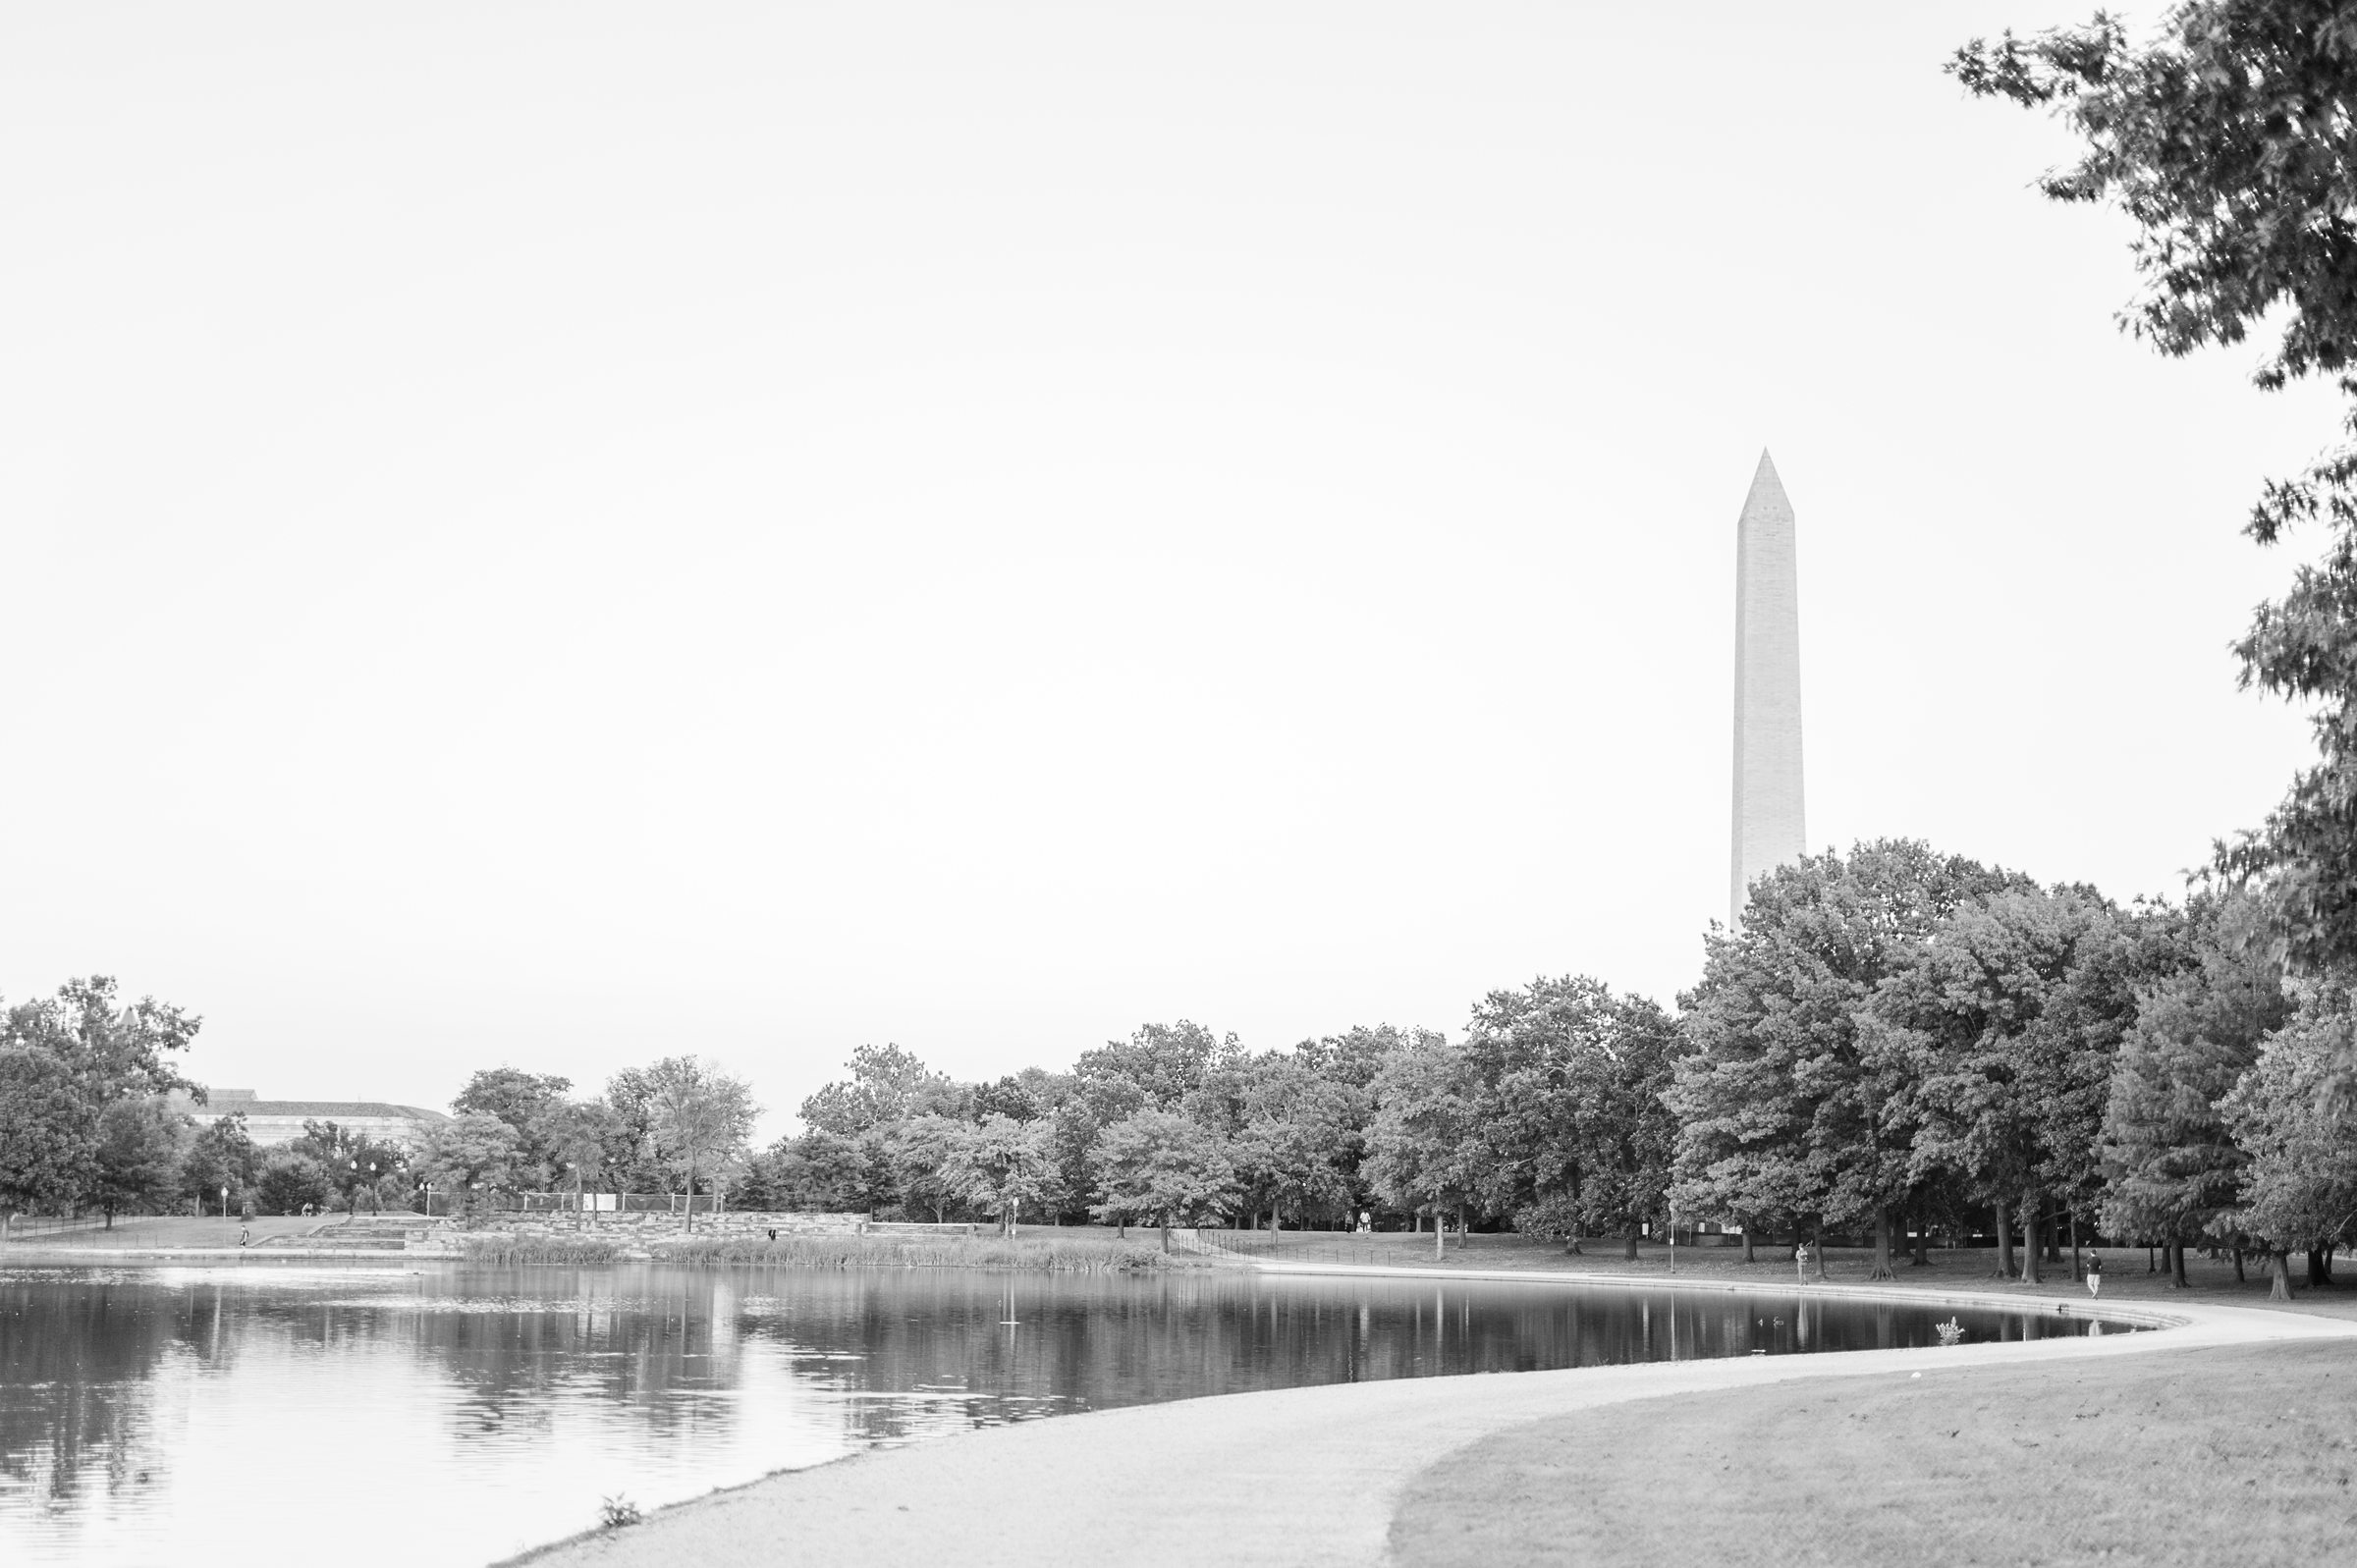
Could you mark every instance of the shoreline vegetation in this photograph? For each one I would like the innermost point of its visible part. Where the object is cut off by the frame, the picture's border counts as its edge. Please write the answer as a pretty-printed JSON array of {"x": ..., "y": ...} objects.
[{"x": 1083, "y": 1254}]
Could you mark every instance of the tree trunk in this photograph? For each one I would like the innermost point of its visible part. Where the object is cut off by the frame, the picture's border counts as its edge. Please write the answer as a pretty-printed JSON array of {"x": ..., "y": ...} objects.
[
  {"x": 2177, "y": 1279},
  {"x": 1463, "y": 1230},
  {"x": 1817, "y": 1247},
  {"x": 1748, "y": 1253},
  {"x": 1630, "y": 1252},
  {"x": 1882, "y": 1245},
  {"x": 2319, "y": 1273},
  {"x": 2279, "y": 1263},
  {"x": 2075, "y": 1275},
  {"x": 1440, "y": 1231},
  {"x": 1275, "y": 1222},
  {"x": 2004, "y": 1241},
  {"x": 690, "y": 1216},
  {"x": 2238, "y": 1279},
  {"x": 1921, "y": 1256}
]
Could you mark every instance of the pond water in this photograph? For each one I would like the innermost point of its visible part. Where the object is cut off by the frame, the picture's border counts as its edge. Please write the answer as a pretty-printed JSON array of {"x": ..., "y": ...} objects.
[{"x": 454, "y": 1415}]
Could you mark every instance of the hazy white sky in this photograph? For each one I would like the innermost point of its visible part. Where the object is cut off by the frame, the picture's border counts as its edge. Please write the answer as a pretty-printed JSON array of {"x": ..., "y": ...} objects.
[{"x": 559, "y": 534}]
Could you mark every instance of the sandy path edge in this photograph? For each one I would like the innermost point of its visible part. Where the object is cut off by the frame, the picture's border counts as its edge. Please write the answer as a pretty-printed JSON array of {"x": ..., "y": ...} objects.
[{"x": 1293, "y": 1476}]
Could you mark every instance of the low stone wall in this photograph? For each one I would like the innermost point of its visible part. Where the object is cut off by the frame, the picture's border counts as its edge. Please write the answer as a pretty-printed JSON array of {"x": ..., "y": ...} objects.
[{"x": 640, "y": 1227}]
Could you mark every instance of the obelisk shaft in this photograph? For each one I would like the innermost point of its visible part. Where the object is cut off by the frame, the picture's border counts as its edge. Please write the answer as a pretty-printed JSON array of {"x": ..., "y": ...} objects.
[{"x": 1767, "y": 826}]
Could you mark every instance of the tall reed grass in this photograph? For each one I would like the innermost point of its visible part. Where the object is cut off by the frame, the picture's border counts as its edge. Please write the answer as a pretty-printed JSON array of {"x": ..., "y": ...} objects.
[
  {"x": 1076, "y": 1257},
  {"x": 519, "y": 1252}
]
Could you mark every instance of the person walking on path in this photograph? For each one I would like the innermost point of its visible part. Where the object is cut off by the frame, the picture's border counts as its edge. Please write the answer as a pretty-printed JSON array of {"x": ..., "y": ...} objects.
[{"x": 2094, "y": 1274}]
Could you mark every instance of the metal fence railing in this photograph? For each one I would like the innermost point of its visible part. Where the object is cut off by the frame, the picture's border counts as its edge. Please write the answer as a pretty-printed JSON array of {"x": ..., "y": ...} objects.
[{"x": 19, "y": 1228}]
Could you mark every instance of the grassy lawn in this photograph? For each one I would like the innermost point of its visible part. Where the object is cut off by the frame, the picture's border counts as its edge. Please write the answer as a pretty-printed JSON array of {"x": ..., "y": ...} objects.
[
  {"x": 2239, "y": 1455},
  {"x": 162, "y": 1231},
  {"x": 2125, "y": 1272}
]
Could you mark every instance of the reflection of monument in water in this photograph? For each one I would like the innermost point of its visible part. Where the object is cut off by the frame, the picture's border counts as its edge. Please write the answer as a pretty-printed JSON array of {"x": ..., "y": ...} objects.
[{"x": 1768, "y": 830}]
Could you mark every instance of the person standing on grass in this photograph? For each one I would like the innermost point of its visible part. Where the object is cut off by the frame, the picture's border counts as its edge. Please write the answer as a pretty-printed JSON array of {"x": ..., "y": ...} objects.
[
  {"x": 2094, "y": 1274},
  {"x": 1800, "y": 1260}
]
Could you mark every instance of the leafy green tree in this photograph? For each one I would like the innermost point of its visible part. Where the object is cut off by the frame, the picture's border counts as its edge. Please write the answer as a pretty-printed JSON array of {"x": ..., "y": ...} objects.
[
  {"x": 1162, "y": 1166},
  {"x": 1027, "y": 1096},
  {"x": 2300, "y": 1185},
  {"x": 1568, "y": 1104},
  {"x": 886, "y": 1085},
  {"x": 1995, "y": 1040},
  {"x": 1781, "y": 1115},
  {"x": 2172, "y": 1168},
  {"x": 1000, "y": 1165},
  {"x": 629, "y": 1160},
  {"x": 355, "y": 1163},
  {"x": 113, "y": 1050},
  {"x": 470, "y": 1155},
  {"x": 290, "y": 1180},
  {"x": 535, "y": 1104},
  {"x": 922, "y": 1152},
  {"x": 2224, "y": 140},
  {"x": 1423, "y": 1145},
  {"x": 1160, "y": 1065},
  {"x": 702, "y": 1119},
  {"x": 221, "y": 1157},
  {"x": 821, "y": 1171},
  {"x": 574, "y": 1139},
  {"x": 48, "y": 1132},
  {"x": 140, "y": 1145},
  {"x": 1298, "y": 1138}
]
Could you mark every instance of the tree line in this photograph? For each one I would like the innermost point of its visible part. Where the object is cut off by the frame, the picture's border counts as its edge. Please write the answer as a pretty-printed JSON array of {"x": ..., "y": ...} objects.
[{"x": 1895, "y": 1044}]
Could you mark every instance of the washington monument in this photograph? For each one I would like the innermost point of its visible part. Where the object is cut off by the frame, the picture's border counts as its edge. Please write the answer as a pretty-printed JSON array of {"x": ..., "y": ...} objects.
[{"x": 1768, "y": 828}]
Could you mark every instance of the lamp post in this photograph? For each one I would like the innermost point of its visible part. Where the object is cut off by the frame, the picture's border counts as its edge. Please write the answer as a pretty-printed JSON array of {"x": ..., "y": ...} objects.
[{"x": 225, "y": 1200}]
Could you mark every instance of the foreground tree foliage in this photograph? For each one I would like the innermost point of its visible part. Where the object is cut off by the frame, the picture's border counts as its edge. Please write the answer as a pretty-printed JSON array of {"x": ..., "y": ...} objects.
[{"x": 2225, "y": 138}]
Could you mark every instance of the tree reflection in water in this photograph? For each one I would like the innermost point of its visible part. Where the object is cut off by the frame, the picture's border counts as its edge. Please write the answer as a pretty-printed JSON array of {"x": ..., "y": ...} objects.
[{"x": 165, "y": 1405}]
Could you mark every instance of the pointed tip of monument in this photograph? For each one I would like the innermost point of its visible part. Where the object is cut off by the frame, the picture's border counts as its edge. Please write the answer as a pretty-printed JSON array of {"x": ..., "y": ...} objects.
[{"x": 1766, "y": 487}]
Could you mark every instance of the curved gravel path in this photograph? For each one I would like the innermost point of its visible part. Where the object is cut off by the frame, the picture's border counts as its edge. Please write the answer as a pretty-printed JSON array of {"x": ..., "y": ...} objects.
[{"x": 1294, "y": 1475}]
